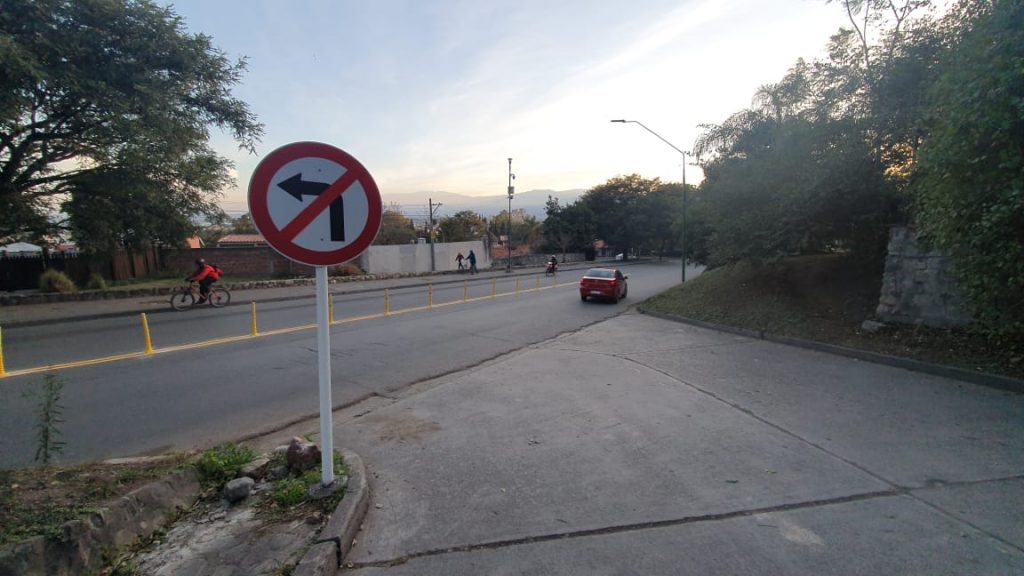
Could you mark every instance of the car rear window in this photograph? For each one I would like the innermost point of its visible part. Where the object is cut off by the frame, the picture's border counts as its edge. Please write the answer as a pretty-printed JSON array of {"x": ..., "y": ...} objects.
[{"x": 600, "y": 273}]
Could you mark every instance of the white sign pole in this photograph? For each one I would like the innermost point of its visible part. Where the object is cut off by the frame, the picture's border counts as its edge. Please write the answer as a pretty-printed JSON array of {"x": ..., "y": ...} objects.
[{"x": 323, "y": 346}]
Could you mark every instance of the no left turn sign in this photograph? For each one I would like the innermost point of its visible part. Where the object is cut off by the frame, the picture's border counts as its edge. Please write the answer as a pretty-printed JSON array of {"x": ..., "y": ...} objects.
[{"x": 315, "y": 203}]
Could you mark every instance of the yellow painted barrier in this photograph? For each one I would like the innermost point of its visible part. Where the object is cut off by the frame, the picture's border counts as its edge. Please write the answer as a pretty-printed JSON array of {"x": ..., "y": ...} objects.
[
  {"x": 330, "y": 308},
  {"x": 150, "y": 350},
  {"x": 465, "y": 291},
  {"x": 517, "y": 283},
  {"x": 145, "y": 331},
  {"x": 538, "y": 282},
  {"x": 430, "y": 295},
  {"x": 1, "y": 351}
]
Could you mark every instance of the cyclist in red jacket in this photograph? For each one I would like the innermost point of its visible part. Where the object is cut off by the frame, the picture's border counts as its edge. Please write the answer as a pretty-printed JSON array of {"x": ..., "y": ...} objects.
[{"x": 205, "y": 275}]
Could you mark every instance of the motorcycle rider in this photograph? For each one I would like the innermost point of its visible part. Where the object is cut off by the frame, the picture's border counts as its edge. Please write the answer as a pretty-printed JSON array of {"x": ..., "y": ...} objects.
[{"x": 552, "y": 264}]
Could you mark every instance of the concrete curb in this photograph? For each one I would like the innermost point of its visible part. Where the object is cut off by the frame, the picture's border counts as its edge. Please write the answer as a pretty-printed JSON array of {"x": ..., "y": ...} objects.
[
  {"x": 328, "y": 553},
  {"x": 85, "y": 542},
  {"x": 981, "y": 378}
]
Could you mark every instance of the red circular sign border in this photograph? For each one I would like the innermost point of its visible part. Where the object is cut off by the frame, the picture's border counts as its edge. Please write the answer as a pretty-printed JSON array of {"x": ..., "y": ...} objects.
[{"x": 259, "y": 188}]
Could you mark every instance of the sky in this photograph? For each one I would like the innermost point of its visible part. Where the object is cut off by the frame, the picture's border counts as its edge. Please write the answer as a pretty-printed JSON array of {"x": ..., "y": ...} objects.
[{"x": 437, "y": 95}]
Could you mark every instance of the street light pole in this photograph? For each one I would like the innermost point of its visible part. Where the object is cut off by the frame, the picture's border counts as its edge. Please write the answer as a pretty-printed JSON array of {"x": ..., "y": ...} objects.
[
  {"x": 682, "y": 239},
  {"x": 508, "y": 239}
]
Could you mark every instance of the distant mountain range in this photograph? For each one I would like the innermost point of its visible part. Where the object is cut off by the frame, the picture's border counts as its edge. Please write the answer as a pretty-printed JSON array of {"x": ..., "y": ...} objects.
[
  {"x": 533, "y": 201},
  {"x": 415, "y": 204}
]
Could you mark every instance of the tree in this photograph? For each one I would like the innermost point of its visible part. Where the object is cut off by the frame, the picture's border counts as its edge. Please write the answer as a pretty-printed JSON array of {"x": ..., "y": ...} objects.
[
  {"x": 243, "y": 225},
  {"x": 567, "y": 227},
  {"x": 970, "y": 180},
  {"x": 104, "y": 121},
  {"x": 525, "y": 227},
  {"x": 617, "y": 206},
  {"x": 395, "y": 228},
  {"x": 462, "y": 226}
]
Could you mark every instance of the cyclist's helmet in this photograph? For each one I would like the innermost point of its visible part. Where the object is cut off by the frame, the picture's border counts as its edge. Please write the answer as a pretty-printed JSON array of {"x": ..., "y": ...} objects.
[{"x": 200, "y": 261}]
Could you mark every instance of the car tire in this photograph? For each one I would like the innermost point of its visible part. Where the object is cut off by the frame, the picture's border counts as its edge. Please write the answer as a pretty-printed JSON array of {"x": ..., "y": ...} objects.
[{"x": 583, "y": 298}]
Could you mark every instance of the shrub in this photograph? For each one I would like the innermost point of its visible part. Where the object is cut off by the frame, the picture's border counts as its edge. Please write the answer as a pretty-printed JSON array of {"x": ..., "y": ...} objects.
[
  {"x": 344, "y": 270},
  {"x": 55, "y": 281},
  {"x": 96, "y": 282},
  {"x": 218, "y": 465}
]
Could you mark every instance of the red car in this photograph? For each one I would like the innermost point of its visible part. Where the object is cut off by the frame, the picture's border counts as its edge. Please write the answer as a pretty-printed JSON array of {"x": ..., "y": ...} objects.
[{"x": 605, "y": 283}]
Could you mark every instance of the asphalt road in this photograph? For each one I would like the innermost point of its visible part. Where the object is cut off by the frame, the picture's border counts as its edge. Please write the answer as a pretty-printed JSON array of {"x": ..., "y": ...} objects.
[{"x": 198, "y": 397}]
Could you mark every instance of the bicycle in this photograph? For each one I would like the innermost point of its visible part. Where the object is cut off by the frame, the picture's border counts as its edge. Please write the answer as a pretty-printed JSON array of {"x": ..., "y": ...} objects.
[{"x": 189, "y": 295}]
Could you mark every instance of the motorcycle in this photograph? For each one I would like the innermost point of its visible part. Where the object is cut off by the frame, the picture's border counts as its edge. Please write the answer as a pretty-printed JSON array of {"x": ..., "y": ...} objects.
[{"x": 551, "y": 269}]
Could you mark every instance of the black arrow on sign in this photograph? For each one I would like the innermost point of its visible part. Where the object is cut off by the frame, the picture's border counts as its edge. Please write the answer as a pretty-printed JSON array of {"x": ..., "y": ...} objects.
[{"x": 298, "y": 188}]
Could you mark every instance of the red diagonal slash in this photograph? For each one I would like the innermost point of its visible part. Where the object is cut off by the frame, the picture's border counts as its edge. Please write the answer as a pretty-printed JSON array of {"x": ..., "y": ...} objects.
[{"x": 309, "y": 213}]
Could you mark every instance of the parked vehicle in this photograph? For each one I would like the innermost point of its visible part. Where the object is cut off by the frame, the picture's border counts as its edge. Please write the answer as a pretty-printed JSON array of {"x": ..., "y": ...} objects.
[{"x": 603, "y": 283}]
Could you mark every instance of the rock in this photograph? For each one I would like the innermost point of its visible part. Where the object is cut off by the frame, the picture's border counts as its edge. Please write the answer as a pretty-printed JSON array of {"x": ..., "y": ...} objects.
[
  {"x": 871, "y": 326},
  {"x": 238, "y": 489},
  {"x": 302, "y": 455},
  {"x": 256, "y": 469},
  {"x": 277, "y": 472}
]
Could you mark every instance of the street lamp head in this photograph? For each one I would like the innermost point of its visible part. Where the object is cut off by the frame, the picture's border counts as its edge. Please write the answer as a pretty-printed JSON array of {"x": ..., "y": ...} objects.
[{"x": 620, "y": 121}]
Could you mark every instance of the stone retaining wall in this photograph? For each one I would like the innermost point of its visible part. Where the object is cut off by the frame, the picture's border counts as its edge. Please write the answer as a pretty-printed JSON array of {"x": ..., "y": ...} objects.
[
  {"x": 918, "y": 286},
  {"x": 81, "y": 547}
]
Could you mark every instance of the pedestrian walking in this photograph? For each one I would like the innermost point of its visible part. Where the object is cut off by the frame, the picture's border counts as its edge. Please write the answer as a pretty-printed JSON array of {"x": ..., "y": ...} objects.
[
  {"x": 459, "y": 258},
  {"x": 472, "y": 262}
]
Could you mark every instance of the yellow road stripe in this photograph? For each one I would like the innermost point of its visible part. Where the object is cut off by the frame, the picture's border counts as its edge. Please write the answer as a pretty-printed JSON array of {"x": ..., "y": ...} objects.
[{"x": 230, "y": 339}]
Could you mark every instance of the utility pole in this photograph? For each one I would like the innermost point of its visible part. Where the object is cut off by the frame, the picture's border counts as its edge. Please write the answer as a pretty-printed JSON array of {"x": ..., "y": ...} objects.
[
  {"x": 511, "y": 191},
  {"x": 430, "y": 222}
]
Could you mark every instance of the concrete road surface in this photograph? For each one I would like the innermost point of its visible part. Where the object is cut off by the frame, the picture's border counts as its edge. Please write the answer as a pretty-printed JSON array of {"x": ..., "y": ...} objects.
[{"x": 642, "y": 446}]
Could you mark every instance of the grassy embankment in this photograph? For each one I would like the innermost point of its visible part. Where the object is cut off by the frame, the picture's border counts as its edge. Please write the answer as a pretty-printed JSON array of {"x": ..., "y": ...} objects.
[{"x": 825, "y": 298}]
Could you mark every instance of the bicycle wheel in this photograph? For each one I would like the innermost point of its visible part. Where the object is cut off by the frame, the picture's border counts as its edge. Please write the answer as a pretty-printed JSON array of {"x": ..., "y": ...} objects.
[
  {"x": 182, "y": 299},
  {"x": 219, "y": 297}
]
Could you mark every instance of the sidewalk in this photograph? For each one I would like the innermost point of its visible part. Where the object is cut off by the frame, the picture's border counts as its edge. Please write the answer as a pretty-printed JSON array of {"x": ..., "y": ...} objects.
[
  {"x": 643, "y": 446},
  {"x": 55, "y": 312}
]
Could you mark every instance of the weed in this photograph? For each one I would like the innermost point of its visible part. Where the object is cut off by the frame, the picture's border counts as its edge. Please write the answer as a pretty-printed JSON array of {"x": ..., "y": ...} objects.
[
  {"x": 222, "y": 463},
  {"x": 289, "y": 492},
  {"x": 48, "y": 418}
]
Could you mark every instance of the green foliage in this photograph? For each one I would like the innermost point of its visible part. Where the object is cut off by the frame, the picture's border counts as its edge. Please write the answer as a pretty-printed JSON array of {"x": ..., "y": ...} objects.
[
  {"x": 290, "y": 491},
  {"x": 222, "y": 463},
  {"x": 463, "y": 226},
  {"x": 526, "y": 230},
  {"x": 395, "y": 228},
  {"x": 105, "y": 115},
  {"x": 619, "y": 214},
  {"x": 55, "y": 281},
  {"x": 48, "y": 418},
  {"x": 568, "y": 228},
  {"x": 970, "y": 190},
  {"x": 96, "y": 282}
]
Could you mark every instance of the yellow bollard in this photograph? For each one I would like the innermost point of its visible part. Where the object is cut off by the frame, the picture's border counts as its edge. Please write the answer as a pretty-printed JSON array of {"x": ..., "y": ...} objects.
[
  {"x": 517, "y": 283},
  {"x": 387, "y": 303},
  {"x": 430, "y": 295},
  {"x": 538, "y": 282},
  {"x": 465, "y": 290},
  {"x": 330, "y": 308},
  {"x": 1, "y": 351},
  {"x": 254, "y": 331},
  {"x": 145, "y": 331},
  {"x": 494, "y": 287}
]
